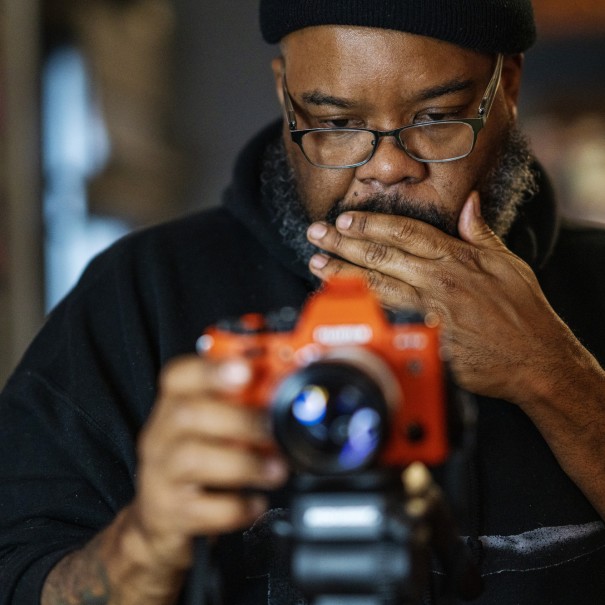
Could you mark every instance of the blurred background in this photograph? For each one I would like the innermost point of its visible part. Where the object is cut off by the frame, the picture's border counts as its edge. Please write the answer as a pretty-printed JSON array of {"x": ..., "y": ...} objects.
[{"x": 118, "y": 114}]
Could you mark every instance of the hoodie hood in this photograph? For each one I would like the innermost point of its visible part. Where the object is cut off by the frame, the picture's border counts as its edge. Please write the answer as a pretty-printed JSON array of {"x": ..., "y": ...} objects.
[{"x": 243, "y": 200}]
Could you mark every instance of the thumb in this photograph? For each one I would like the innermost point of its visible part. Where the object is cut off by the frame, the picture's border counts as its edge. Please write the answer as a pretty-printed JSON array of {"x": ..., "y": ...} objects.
[{"x": 473, "y": 228}]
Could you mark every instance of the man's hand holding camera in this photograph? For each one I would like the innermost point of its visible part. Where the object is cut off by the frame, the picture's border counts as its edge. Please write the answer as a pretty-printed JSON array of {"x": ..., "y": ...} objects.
[{"x": 197, "y": 453}]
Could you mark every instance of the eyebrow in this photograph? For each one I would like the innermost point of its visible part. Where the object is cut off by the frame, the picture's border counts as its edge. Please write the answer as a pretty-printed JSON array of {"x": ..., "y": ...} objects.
[
  {"x": 319, "y": 98},
  {"x": 442, "y": 90}
]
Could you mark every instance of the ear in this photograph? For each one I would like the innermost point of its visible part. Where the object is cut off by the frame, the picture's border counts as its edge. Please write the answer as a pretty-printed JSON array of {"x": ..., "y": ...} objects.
[
  {"x": 512, "y": 69},
  {"x": 277, "y": 66}
]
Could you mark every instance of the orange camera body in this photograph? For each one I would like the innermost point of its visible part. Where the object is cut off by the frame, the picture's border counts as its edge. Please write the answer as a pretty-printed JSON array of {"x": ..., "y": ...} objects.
[{"x": 344, "y": 320}]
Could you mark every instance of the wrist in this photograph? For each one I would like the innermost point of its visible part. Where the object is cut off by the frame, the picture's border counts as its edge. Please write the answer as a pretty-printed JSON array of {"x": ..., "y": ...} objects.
[
  {"x": 563, "y": 382},
  {"x": 115, "y": 567},
  {"x": 552, "y": 360},
  {"x": 136, "y": 565}
]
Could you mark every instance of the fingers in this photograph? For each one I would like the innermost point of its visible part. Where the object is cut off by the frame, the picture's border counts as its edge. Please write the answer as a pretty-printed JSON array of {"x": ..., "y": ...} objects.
[
  {"x": 210, "y": 417},
  {"x": 215, "y": 467},
  {"x": 402, "y": 247},
  {"x": 417, "y": 255},
  {"x": 188, "y": 375},
  {"x": 375, "y": 257},
  {"x": 200, "y": 451},
  {"x": 392, "y": 292},
  {"x": 198, "y": 404},
  {"x": 217, "y": 513},
  {"x": 199, "y": 397},
  {"x": 197, "y": 488},
  {"x": 395, "y": 246},
  {"x": 412, "y": 236}
]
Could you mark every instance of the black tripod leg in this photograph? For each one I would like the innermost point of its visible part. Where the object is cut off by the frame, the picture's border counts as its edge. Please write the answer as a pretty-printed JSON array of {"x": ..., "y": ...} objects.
[{"x": 203, "y": 582}]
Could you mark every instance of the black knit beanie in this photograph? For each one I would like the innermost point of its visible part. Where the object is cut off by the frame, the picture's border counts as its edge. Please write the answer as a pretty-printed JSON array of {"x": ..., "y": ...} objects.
[{"x": 491, "y": 26}]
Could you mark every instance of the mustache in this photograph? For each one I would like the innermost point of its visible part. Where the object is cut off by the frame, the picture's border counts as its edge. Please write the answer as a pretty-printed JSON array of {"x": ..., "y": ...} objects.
[{"x": 382, "y": 203}]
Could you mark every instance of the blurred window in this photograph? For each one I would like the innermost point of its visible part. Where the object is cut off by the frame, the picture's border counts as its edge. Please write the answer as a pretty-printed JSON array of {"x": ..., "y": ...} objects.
[{"x": 75, "y": 149}]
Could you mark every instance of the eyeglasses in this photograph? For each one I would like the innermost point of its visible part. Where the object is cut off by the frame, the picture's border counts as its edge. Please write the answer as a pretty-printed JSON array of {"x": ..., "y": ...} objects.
[{"x": 436, "y": 141}]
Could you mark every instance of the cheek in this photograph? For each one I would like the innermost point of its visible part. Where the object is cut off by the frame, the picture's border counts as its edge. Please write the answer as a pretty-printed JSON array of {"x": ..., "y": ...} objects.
[
  {"x": 318, "y": 188},
  {"x": 453, "y": 184}
]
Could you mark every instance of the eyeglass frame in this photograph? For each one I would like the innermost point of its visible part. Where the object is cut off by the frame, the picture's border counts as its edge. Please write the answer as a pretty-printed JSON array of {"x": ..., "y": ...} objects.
[{"x": 477, "y": 124}]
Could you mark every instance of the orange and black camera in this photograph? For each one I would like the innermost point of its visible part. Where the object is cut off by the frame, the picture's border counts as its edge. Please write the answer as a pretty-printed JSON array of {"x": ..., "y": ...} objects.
[{"x": 349, "y": 385}]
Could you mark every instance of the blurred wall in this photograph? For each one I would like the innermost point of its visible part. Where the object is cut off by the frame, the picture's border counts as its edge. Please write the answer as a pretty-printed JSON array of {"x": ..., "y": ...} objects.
[
  {"x": 20, "y": 217},
  {"x": 182, "y": 84},
  {"x": 563, "y": 104},
  {"x": 224, "y": 88}
]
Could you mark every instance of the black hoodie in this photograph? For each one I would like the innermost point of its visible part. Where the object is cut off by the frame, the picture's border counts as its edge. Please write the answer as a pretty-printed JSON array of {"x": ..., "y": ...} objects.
[{"x": 71, "y": 412}]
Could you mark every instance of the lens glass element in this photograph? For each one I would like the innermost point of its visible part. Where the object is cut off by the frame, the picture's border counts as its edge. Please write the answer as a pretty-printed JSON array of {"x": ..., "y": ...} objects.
[{"x": 310, "y": 407}]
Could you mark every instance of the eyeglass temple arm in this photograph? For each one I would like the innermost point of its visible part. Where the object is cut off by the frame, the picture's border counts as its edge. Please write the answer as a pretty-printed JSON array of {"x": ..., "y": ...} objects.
[
  {"x": 290, "y": 115},
  {"x": 490, "y": 93}
]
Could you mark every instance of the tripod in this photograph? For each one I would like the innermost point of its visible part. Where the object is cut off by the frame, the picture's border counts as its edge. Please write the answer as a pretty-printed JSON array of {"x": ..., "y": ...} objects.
[{"x": 368, "y": 538}]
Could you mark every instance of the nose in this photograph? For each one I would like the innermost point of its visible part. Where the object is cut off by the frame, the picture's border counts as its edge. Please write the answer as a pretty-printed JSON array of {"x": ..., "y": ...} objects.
[{"x": 391, "y": 165}]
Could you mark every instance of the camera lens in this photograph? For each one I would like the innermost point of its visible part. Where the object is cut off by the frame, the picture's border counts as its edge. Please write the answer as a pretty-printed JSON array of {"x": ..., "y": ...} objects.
[{"x": 330, "y": 418}]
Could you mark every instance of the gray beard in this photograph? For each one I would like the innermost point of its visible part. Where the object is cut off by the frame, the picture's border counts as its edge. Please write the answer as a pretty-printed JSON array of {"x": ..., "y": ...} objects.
[{"x": 507, "y": 186}]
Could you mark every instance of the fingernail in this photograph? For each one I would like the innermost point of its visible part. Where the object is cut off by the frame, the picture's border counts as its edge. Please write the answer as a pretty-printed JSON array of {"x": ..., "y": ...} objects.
[
  {"x": 344, "y": 221},
  {"x": 317, "y": 230},
  {"x": 235, "y": 373},
  {"x": 318, "y": 261},
  {"x": 275, "y": 469}
]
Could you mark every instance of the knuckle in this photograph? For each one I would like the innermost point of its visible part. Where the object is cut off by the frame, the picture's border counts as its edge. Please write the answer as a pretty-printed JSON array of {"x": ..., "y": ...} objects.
[
  {"x": 338, "y": 241},
  {"x": 403, "y": 231},
  {"x": 362, "y": 223},
  {"x": 181, "y": 414},
  {"x": 336, "y": 268},
  {"x": 187, "y": 462},
  {"x": 177, "y": 372},
  {"x": 235, "y": 512},
  {"x": 187, "y": 414},
  {"x": 468, "y": 255},
  {"x": 446, "y": 281},
  {"x": 376, "y": 255},
  {"x": 375, "y": 280},
  {"x": 259, "y": 425}
]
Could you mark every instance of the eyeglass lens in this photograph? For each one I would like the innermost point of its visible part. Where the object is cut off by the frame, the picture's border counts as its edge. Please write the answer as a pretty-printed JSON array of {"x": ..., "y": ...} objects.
[{"x": 428, "y": 142}]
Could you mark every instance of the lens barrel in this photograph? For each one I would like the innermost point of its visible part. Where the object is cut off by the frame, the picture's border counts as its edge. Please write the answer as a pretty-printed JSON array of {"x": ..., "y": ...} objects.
[{"x": 330, "y": 418}]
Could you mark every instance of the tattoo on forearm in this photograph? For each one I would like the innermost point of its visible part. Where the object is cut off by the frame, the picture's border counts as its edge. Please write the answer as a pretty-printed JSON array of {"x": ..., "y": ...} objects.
[{"x": 79, "y": 579}]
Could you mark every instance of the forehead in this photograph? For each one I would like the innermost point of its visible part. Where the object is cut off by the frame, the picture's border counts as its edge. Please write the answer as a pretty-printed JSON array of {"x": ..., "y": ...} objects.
[{"x": 344, "y": 56}]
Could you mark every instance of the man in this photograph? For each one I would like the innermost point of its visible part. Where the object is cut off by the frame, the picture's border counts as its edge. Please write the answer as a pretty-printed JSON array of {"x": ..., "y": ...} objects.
[{"x": 431, "y": 90}]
